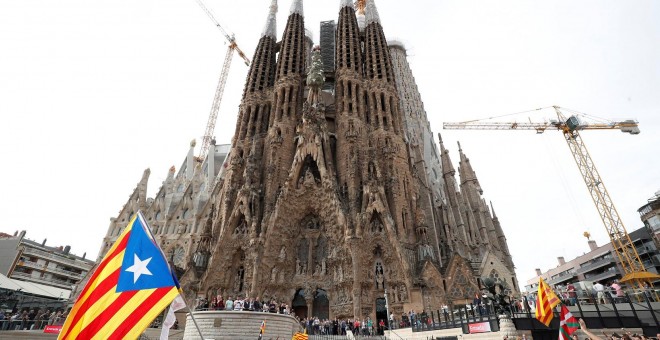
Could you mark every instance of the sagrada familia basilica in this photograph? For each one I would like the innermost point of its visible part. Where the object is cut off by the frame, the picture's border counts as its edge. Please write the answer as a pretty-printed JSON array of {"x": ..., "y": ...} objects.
[{"x": 333, "y": 191}]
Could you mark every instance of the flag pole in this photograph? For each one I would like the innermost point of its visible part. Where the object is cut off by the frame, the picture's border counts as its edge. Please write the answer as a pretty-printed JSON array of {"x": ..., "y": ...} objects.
[{"x": 148, "y": 229}]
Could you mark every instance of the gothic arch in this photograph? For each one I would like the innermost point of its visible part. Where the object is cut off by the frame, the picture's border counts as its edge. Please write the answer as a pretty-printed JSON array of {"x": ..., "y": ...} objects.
[
  {"x": 376, "y": 224},
  {"x": 310, "y": 166},
  {"x": 311, "y": 221}
]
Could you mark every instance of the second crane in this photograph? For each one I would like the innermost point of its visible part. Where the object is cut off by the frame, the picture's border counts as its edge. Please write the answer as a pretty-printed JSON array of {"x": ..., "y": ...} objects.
[{"x": 217, "y": 98}]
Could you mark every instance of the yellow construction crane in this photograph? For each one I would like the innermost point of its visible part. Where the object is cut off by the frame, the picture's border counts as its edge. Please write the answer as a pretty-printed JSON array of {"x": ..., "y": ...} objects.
[
  {"x": 625, "y": 249},
  {"x": 215, "y": 107}
]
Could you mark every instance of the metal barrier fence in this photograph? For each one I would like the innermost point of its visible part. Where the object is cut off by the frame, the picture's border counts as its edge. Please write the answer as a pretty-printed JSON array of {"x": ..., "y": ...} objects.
[
  {"x": 633, "y": 309},
  {"x": 607, "y": 310},
  {"x": 452, "y": 318},
  {"x": 344, "y": 337},
  {"x": 15, "y": 325}
]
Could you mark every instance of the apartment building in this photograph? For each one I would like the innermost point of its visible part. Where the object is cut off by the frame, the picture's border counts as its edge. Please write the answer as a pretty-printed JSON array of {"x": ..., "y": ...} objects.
[{"x": 31, "y": 261}]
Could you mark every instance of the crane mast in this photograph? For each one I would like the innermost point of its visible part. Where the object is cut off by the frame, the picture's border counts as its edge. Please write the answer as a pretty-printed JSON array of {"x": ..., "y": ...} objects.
[
  {"x": 623, "y": 246},
  {"x": 220, "y": 89}
]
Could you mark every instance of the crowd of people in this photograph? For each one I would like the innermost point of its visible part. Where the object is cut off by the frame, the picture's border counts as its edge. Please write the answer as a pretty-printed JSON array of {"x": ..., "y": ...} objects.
[
  {"x": 599, "y": 292},
  {"x": 28, "y": 319},
  {"x": 243, "y": 304},
  {"x": 313, "y": 325},
  {"x": 366, "y": 326}
]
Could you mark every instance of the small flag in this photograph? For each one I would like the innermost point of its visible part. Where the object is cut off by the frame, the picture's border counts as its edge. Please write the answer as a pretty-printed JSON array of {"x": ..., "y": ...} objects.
[
  {"x": 300, "y": 336},
  {"x": 177, "y": 304},
  {"x": 262, "y": 329},
  {"x": 567, "y": 324},
  {"x": 546, "y": 300},
  {"x": 130, "y": 287}
]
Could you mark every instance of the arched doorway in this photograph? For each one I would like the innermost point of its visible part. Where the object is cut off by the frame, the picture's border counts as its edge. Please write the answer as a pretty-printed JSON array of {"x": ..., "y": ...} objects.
[
  {"x": 381, "y": 313},
  {"x": 321, "y": 307},
  {"x": 299, "y": 305}
]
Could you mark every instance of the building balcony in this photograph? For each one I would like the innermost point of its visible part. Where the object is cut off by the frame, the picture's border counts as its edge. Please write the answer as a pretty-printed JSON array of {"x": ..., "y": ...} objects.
[
  {"x": 30, "y": 264},
  {"x": 595, "y": 265},
  {"x": 49, "y": 282},
  {"x": 646, "y": 250},
  {"x": 562, "y": 278},
  {"x": 655, "y": 259},
  {"x": 41, "y": 267},
  {"x": 603, "y": 276},
  {"x": 59, "y": 258}
]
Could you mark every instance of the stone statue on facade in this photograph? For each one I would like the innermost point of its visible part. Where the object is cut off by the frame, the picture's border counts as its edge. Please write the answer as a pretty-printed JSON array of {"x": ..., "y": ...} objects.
[{"x": 498, "y": 295}]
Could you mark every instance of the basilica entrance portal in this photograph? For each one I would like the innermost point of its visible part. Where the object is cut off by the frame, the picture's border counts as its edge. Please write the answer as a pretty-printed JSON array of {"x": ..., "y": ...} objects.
[
  {"x": 381, "y": 312},
  {"x": 321, "y": 305},
  {"x": 298, "y": 305}
]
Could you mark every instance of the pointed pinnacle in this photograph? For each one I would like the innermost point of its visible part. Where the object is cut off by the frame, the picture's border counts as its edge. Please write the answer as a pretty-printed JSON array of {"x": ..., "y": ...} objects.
[
  {"x": 297, "y": 7},
  {"x": 346, "y": 3},
  {"x": 270, "y": 29},
  {"x": 372, "y": 12}
]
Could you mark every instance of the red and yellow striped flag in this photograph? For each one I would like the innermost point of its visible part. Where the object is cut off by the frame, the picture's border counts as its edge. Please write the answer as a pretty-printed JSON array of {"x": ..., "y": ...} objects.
[
  {"x": 300, "y": 336},
  {"x": 128, "y": 290},
  {"x": 546, "y": 300}
]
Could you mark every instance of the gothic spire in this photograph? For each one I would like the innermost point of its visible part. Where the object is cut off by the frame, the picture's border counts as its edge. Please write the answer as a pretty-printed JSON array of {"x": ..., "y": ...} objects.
[
  {"x": 447, "y": 166},
  {"x": 492, "y": 210},
  {"x": 372, "y": 12},
  {"x": 297, "y": 7},
  {"x": 348, "y": 53},
  {"x": 270, "y": 29},
  {"x": 262, "y": 70},
  {"x": 465, "y": 170},
  {"x": 378, "y": 62},
  {"x": 292, "y": 50}
]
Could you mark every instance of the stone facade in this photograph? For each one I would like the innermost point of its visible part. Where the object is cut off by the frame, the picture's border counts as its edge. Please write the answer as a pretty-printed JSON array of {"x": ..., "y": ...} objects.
[{"x": 327, "y": 204}]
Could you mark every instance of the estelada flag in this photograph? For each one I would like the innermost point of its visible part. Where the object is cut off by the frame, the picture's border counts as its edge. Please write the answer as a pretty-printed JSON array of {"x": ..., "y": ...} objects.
[
  {"x": 567, "y": 324},
  {"x": 546, "y": 300},
  {"x": 130, "y": 287},
  {"x": 300, "y": 336},
  {"x": 262, "y": 329}
]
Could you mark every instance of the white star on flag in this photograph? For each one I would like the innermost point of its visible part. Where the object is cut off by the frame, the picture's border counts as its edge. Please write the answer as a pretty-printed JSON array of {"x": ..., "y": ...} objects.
[{"x": 139, "y": 267}]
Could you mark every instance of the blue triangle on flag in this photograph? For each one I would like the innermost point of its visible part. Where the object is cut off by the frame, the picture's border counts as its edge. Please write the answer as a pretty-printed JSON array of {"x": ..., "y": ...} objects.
[{"x": 143, "y": 265}]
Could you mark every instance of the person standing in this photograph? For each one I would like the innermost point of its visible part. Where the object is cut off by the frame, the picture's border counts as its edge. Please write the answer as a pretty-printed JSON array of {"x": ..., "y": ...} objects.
[
  {"x": 229, "y": 304},
  {"x": 572, "y": 295},
  {"x": 238, "y": 304},
  {"x": 648, "y": 291},
  {"x": 220, "y": 303},
  {"x": 599, "y": 289},
  {"x": 618, "y": 292}
]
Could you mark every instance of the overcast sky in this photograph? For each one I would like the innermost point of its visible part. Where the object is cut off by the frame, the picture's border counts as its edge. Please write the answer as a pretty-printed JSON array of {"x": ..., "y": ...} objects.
[{"x": 94, "y": 92}]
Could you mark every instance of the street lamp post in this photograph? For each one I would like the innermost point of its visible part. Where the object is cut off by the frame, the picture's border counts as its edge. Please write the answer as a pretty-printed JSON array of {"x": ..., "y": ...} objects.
[{"x": 387, "y": 310}]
